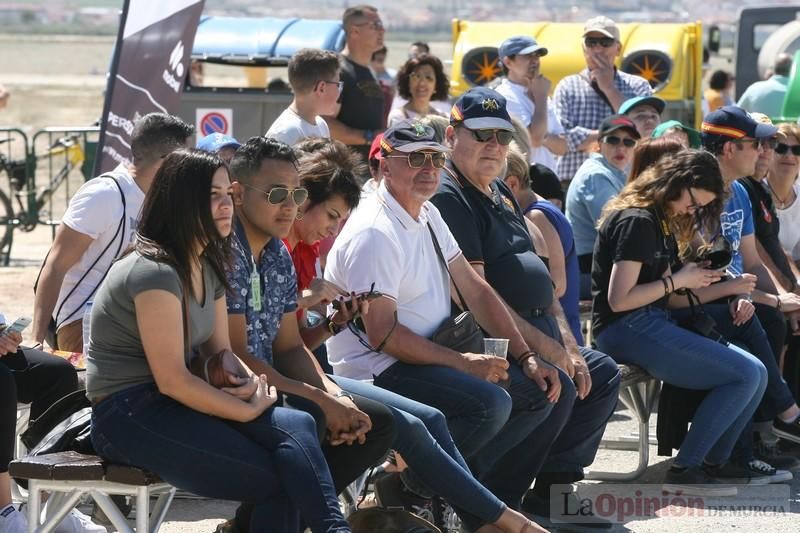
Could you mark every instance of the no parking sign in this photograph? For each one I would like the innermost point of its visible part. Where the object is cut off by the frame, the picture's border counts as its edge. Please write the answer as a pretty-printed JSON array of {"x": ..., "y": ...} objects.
[{"x": 210, "y": 121}]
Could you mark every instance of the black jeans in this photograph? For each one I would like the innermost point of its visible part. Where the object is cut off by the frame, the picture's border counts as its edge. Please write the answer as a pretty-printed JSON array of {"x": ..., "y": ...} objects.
[{"x": 34, "y": 377}]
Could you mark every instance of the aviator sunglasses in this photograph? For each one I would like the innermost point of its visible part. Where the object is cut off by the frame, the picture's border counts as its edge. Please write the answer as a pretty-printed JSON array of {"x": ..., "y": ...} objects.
[
  {"x": 504, "y": 137},
  {"x": 418, "y": 159},
  {"x": 278, "y": 195},
  {"x": 613, "y": 140}
]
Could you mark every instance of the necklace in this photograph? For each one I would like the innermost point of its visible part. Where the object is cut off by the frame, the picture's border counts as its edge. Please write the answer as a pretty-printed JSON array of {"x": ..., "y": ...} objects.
[{"x": 783, "y": 203}]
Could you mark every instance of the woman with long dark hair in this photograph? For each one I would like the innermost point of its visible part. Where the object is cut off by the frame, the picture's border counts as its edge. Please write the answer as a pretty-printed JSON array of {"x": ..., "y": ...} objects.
[
  {"x": 648, "y": 227},
  {"x": 162, "y": 306}
]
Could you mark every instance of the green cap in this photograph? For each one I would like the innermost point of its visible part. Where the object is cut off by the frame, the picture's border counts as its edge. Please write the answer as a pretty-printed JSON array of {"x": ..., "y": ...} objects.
[{"x": 694, "y": 135}]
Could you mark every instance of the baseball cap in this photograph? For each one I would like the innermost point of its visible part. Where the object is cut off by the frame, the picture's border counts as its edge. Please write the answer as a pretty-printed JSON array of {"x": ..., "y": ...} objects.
[
  {"x": 410, "y": 135},
  {"x": 654, "y": 101},
  {"x": 481, "y": 108},
  {"x": 520, "y": 45},
  {"x": 733, "y": 122},
  {"x": 375, "y": 149},
  {"x": 217, "y": 141},
  {"x": 694, "y": 135},
  {"x": 603, "y": 25},
  {"x": 761, "y": 117},
  {"x": 545, "y": 183},
  {"x": 617, "y": 122}
]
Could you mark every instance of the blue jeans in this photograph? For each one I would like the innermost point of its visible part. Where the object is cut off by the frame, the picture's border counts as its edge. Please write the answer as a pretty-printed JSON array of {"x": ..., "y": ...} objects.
[
  {"x": 435, "y": 463},
  {"x": 735, "y": 379},
  {"x": 751, "y": 337},
  {"x": 489, "y": 424},
  {"x": 273, "y": 462}
]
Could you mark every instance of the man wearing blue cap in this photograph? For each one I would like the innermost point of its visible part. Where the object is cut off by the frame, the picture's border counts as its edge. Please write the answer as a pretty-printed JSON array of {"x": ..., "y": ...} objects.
[
  {"x": 488, "y": 225},
  {"x": 526, "y": 92},
  {"x": 645, "y": 112},
  {"x": 219, "y": 143}
]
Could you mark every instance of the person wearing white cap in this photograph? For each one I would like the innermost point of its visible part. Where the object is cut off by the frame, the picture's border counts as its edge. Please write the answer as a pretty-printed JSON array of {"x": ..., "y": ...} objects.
[
  {"x": 526, "y": 92},
  {"x": 583, "y": 100}
]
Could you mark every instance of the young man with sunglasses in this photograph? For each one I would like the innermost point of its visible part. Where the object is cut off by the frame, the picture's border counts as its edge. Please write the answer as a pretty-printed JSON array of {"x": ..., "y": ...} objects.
[
  {"x": 737, "y": 140},
  {"x": 262, "y": 323},
  {"x": 488, "y": 225},
  {"x": 598, "y": 179},
  {"x": 359, "y": 115},
  {"x": 314, "y": 77},
  {"x": 583, "y": 100}
]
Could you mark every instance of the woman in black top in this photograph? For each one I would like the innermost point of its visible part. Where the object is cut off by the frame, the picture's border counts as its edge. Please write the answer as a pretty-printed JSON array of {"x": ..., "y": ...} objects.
[{"x": 644, "y": 230}]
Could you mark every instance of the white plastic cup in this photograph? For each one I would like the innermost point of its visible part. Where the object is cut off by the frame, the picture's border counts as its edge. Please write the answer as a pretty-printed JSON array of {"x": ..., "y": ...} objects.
[{"x": 498, "y": 347}]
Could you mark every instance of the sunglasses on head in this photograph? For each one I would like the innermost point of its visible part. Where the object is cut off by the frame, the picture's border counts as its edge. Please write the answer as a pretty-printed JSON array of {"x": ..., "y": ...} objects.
[
  {"x": 418, "y": 159},
  {"x": 613, "y": 140},
  {"x": 782, "y": 148},
  {"x": 605, "y": 42},
  {"x": 504, "y": 137},
  {"x": 278, "y": 195}
]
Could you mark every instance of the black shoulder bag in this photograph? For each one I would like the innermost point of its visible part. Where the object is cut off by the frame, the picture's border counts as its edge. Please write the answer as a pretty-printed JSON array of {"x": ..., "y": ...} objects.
[{"x": 459, "y": 332}]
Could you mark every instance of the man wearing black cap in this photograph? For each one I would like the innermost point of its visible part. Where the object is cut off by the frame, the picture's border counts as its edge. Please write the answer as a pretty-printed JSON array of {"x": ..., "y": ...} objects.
[
  {"x": 487, "y": 222},
  {"x": 526, "y": 93},
  {"x": 395, "y": 247}
]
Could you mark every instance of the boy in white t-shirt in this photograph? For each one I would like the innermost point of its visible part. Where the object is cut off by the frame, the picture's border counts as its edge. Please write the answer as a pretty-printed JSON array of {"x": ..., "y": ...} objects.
[
  {"x": 314, "y": 77},
  {"x": 98, "y": 227}
]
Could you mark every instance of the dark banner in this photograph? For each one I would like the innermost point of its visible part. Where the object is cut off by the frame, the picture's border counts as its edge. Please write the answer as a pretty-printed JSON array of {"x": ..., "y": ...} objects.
[{"x": 150, "y": 64}]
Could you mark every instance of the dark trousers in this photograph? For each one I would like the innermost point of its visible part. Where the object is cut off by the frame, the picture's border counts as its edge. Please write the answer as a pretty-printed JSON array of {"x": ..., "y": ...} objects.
[{"x": 34, "y": 377}]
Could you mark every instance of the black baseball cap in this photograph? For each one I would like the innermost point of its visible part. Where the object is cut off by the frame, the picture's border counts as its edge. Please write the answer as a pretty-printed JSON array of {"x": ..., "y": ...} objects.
[{"x": 617, "y": 122}]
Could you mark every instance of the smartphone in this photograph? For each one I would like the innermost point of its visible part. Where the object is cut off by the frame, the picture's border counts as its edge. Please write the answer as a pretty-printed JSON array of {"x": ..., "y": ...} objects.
[
  {"x": 18, "y": 326},
  {"x": 369, "y": 296}
]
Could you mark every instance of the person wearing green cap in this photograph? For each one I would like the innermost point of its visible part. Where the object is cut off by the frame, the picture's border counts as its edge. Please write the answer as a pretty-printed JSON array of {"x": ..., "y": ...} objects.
[{"x": 690, "y": 137}]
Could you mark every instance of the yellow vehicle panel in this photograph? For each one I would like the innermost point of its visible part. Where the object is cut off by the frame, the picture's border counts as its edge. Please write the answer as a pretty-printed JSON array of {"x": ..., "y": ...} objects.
[{"x": 667, "y": 55}]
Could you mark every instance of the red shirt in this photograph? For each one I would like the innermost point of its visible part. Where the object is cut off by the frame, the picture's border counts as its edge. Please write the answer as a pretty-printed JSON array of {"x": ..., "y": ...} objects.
[{"x": 305, "y": 258}]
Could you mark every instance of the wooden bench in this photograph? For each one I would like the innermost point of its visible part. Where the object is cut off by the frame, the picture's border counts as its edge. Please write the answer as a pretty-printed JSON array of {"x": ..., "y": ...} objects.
[
  {"x": 68, "y": 476},
  {"x": 638, "y": 391}
]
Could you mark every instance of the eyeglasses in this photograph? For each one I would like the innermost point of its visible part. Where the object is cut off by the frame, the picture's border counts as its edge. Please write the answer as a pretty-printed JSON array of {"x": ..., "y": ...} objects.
[
  {"x": 418, "y": 159},
  {"x": 782, "y": 148},
  {"x": 503, "y": 137},
  {"x": 605, "y": 42},
  {"x": 418, "y": 77},
  {"x": 769, "y": 143},
  {"x": 339, "y": 84},
  {"x": 613, "y": 140},
  {"x": 753, "y": 143},
  {"x": 278, "y": 195},
  {"x": 376, "y": 25},
  {"x": 695, "y": 205}
]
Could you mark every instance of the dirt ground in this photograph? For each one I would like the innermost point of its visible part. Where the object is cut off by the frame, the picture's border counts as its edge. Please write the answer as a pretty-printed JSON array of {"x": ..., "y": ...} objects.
[{"x": 60, "y": 82}]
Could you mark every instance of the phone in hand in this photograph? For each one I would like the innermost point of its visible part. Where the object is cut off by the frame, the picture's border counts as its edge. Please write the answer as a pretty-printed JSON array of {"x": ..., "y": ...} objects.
[
  {"x": 369, "y": 296},
  {"x": 18, "y": 326}
]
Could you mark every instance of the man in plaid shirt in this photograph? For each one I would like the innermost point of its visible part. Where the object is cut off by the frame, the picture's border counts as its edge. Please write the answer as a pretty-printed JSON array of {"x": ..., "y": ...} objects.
[{"x": 583, "y": 100}]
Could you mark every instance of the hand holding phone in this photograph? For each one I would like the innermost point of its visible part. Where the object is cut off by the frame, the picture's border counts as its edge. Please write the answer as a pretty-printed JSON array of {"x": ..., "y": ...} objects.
[{"x": 18, "y": 326}]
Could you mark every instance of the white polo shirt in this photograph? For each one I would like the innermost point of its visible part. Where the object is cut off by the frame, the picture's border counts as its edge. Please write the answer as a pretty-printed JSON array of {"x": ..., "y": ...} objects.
[{"x": 382, "y": 244}]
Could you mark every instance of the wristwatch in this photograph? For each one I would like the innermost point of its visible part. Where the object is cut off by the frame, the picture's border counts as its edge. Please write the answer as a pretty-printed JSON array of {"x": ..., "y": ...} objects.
[{"x": 368, "y": 136}]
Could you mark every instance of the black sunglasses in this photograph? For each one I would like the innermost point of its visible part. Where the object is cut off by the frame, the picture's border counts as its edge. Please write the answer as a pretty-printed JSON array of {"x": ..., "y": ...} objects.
[
  {"x": 605, "y": 42},
  {"x": 613, "y": 140},
  {"x": 278, "y": 195},
  {"x": 755, "y": 143},
  {"x": 504, "y": 137},
  {"x": 418, "y": 159},
  {"x": 782, "y": 148}
]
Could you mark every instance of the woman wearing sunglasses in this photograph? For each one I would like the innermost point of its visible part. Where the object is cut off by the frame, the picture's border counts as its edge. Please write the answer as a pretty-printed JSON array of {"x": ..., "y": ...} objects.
[
  {"x": 420, "y": 80},
  {"x": 645, "y": 229},
  {"x": 598, "y": 179},
  {"x": 160, "y": 307},
  {"x": 783, "y": 184}
]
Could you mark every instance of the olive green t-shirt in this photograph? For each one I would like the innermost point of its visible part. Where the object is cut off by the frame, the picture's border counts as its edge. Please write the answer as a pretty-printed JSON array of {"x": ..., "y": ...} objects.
[{"x": 116, "y": 359}]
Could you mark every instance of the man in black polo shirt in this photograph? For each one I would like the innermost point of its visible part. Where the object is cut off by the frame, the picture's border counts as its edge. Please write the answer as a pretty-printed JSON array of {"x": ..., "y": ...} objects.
[
  {"x": 487, "y": 223},
  {"x": 360, "y": 114}
]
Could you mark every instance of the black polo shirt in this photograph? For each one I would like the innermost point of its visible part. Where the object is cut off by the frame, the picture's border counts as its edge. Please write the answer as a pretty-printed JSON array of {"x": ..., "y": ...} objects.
[
  {"x": 491, "y": 231},
  {"x": 362, "y": 101},
  {"x": 767, "y": 225}
]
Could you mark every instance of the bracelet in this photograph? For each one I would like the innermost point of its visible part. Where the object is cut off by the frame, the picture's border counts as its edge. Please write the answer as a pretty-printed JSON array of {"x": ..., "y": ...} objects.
[
  {"x": 671, "y": 282},
  {"x": 778, "y": 304},
  {"x": 332, "y": 326},
  {"x": 666, "y": 286},
  {"x": 525, "y": 356},
  {"x": 344, "y": 394}
]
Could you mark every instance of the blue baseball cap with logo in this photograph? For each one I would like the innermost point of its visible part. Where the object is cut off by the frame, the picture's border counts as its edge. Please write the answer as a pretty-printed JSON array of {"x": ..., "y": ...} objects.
[
  {"x": 732, "y": 122},
  {"x": 520, "y": 45},
  {"x": 217, "y": 141},
  {"x": 481, "y": 108},
  {"x": 653, "y": 101},
  {"x": 410, "y": 135}
]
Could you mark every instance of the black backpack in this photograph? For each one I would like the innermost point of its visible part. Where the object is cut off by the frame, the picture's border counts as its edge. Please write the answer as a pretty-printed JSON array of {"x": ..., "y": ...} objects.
[{"x": 65, "y": 426}]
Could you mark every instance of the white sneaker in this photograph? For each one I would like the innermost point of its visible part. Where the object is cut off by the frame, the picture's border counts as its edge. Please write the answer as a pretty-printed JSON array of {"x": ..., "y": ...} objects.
[
  {"x": 77, "y": 522},
  {"x": 12, "y": 521},
  {"x": 762, "y": 468}
]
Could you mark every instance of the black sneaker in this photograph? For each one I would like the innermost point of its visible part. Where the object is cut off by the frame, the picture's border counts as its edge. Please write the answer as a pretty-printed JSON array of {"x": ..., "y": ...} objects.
[
  {"x": 776, "y": 455},
  {"x": 695, "y": 482},
  {"x": 758, "y": 467},
  {"x": 736, "y": 475},
  {"x": 569, "y": 515},
  {"x": 391, "y": 493},
  {"x": 787, "y": 430}
]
